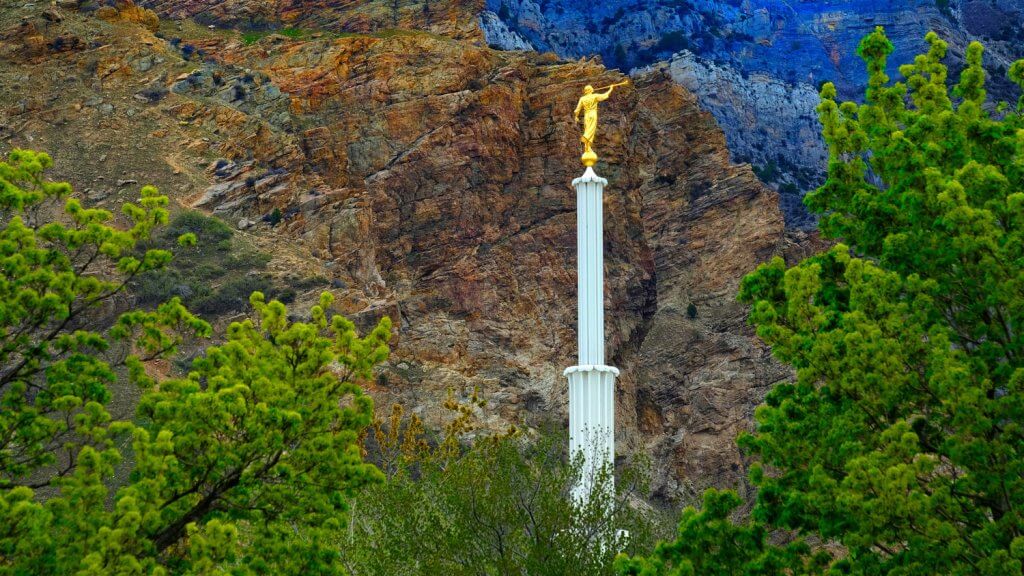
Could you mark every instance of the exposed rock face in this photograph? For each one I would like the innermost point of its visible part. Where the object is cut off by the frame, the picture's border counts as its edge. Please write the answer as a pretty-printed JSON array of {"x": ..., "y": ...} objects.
[
  {"x": 806, "y": 41},
  {"x": 453, "y": 18},
  {"x": 764, "y": 56},
  {"x": 429, "y": 179},
  {"x": 498, "y": 34},
  {"x": 771, "y": 124}
]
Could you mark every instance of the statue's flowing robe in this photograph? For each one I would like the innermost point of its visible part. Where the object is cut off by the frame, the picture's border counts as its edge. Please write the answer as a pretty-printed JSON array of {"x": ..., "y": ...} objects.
[
  {"x": 588, "y": 104},
  {"x": 590, "y": 125}
]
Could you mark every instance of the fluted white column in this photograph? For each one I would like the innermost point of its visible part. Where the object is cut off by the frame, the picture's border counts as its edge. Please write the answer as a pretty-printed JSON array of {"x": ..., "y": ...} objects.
[
  {"x": 591, "y": 383},
  {"x": 592, "y": 425},
  {"x": 590, "y": 254}
]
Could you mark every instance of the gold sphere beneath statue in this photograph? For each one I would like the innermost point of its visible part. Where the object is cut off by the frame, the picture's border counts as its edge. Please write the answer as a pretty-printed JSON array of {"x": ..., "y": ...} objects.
[{"x": 589, "y": 158}]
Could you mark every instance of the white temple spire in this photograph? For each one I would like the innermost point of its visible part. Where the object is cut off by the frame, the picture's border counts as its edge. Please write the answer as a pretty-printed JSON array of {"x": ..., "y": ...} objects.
[{"x": 591, "y": 383}]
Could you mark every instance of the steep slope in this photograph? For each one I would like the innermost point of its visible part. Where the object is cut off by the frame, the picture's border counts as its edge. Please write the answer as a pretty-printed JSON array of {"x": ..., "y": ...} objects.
[
  {"x": 756, "y": 65},
  {"x": 427, "y": 178}
]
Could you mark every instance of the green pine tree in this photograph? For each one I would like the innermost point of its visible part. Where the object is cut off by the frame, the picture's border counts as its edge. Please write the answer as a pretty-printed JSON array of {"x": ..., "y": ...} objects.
[
  {"x": 61, "y": 270},
  {"x": 244, "y": 466},
  {"x": 901, "y": 438},
  {"x": 708, "y": 543}
]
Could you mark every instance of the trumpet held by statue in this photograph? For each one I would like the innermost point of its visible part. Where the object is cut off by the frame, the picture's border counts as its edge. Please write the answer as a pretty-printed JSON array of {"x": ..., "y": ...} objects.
[{"x": 623, "y": 83}]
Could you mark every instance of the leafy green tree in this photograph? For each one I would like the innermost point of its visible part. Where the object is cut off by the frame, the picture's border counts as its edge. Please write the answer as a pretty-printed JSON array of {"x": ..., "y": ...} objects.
[
  {"x": 465, "y": 503},
  {"x": 243, "y": 466},
  {"x": 900, "y": 439}
]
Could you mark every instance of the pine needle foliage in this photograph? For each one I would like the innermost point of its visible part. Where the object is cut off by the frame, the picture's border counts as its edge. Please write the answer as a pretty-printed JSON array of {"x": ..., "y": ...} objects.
[{"x": 244, "y": 466}]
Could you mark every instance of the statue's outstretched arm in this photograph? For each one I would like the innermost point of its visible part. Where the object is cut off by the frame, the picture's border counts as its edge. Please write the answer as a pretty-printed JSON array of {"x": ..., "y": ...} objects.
[{"x": 613, "y": 87}]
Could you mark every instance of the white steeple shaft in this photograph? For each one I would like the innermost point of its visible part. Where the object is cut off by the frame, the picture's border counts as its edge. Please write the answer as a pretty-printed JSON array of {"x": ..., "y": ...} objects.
[
  {"x": 591, "y": 383},
  {"x": 590, "y": 253}
]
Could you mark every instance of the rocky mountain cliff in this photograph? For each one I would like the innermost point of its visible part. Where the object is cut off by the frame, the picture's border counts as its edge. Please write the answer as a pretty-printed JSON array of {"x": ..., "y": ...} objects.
[
  {"x": 427, "y": 176},
  {"x": 452, "y": 18},
  {"x": 756, "y": 64}
]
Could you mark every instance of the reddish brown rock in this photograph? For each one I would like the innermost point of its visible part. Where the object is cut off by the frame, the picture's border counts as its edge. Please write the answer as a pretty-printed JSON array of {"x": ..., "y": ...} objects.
[
  {"x": 128, "y": 11},
  {"x": 452, "y": 18}
]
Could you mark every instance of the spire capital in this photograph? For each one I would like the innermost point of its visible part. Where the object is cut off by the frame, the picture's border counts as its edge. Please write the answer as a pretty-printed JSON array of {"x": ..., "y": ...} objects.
[
  {"x": 591, "y": 368},
  {"x": 589, "y": 176}
]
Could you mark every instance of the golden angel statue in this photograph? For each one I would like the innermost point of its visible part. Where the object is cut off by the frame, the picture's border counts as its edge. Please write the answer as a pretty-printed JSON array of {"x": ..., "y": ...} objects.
[{"x": 588, "y": 105}]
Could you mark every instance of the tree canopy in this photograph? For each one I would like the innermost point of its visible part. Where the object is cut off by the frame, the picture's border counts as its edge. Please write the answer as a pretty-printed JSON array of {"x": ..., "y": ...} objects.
[
  {"x": 899, "y": 441},
  {"x": 469, "y": 503}
]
